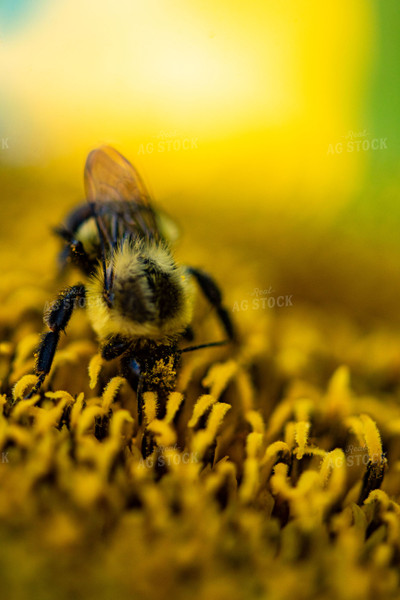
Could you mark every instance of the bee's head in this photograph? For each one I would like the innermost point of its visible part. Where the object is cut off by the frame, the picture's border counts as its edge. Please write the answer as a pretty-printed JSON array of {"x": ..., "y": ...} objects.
[{"x": 146, "y": 285}]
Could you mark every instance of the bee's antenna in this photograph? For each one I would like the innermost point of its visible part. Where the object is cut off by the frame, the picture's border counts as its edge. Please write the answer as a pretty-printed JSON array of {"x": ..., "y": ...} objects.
[
  {"x": 102, "y": 245},
  {"x": 191, "y": 348},
  {"x": 114, "y": 225}
]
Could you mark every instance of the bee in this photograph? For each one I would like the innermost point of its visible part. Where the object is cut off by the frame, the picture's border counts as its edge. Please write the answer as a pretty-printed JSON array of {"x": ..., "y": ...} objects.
[{"x": 138, "y": 299}]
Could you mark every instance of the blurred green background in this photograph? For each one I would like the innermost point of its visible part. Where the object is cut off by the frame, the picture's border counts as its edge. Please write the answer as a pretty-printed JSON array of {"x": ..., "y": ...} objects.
[{"x": 254, "y": 124}]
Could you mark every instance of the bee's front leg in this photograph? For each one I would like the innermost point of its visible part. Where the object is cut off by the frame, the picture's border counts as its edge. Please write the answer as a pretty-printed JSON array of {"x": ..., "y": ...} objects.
[
  {"x": 131, "y": 371},
  {"x": 56, "y": 318},
  {"x": 116, "y": 346},
  {"x": 136, "y": 378}
]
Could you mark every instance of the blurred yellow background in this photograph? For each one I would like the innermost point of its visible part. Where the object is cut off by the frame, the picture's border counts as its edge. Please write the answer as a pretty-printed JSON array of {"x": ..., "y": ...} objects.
[{"x": 262, "y": 88}]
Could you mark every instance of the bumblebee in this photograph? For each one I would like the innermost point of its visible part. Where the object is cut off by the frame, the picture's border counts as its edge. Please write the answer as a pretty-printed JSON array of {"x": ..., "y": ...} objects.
[{"x": 138, "y": 299}]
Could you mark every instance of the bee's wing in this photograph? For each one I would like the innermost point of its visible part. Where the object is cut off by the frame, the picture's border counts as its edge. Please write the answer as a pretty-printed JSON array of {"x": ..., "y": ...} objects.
[
  {"x": 113, "y": 185},
  {"x": 115, "y": 188},
  {"x": 109, "y": 177}
]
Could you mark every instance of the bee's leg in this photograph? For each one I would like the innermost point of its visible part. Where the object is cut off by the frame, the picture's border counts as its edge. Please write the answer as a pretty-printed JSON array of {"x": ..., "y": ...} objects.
[
  {"x": 214, "y": 296},
  {"x": 131, "y": 372},
  {"x": 148, "y": 442},
  {"x": 73, "y": 251},
  {"x": 56, "y": 318}
]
